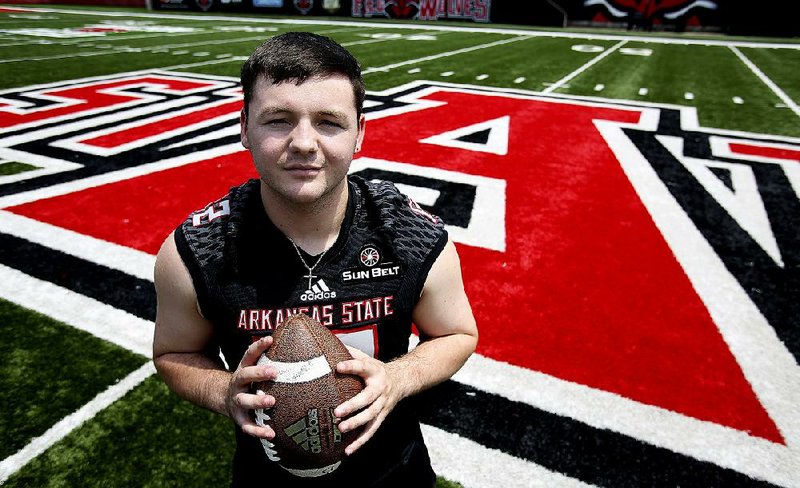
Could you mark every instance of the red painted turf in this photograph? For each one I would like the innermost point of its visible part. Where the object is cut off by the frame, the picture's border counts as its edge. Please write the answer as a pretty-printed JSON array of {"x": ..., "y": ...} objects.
[{"x": 587, "y": 291}]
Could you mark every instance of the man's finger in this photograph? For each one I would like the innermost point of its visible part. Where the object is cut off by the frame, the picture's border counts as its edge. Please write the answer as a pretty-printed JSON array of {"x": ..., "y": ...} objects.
[
  {"x": 359, "y": 401},
  {"x": 357, "y": 353},
  {"x": 262, "y": 432},
  {"x": 365, "y": 436},
  {"x": 357, "y": 367},
  {"x": 363, "y": 416},
  {"x": 248, "y": 425},
  {"x": 255, "y": 374},
  {"x": 251, "y": 402},
  {"x": 254, "y": 351}
]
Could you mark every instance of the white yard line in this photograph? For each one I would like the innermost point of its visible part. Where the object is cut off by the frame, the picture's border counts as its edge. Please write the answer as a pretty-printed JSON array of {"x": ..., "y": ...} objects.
[
  {"x": 368, "y": 41},
  {"x": 558, "y": 84},
  {"x": 764, "y": 78},
  {"x": 37, "y": 446},
  {"x": 443, "y": 55}
]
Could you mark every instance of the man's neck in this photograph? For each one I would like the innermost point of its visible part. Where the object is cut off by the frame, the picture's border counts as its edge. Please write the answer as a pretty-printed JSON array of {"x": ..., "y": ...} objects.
[{"x": 313, "y": 227}]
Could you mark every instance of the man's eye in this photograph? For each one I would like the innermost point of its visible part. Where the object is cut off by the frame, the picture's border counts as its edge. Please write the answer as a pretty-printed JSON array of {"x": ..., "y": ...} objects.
[
  {"x": 331, "y": 123},
  {"x": 277, "y": 122}
]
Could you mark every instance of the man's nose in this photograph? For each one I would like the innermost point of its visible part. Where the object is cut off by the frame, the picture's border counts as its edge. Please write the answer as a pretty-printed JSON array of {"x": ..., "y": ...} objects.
[{"x": 304, "y": 137}]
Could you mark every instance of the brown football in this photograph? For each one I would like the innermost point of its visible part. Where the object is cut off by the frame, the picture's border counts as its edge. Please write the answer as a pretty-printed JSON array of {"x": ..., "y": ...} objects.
[{"x": 307, "y": 440}]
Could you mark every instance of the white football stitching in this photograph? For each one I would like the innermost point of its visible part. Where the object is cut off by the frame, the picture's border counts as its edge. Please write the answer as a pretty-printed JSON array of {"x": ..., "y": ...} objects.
[{"x": 261, "y": 419}]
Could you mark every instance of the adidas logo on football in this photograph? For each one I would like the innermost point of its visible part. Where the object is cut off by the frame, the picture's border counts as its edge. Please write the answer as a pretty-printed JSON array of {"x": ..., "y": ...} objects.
[
  {"x": 319, "y": 291},
  {"x": 305, "y": 432}
]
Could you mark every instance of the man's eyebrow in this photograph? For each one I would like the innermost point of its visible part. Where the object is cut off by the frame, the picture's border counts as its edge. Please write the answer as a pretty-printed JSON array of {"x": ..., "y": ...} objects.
[
  {"x": 333, "y": 113},
  {"x": 273, "y": 111},
  {"x": 277, "y": 110}
]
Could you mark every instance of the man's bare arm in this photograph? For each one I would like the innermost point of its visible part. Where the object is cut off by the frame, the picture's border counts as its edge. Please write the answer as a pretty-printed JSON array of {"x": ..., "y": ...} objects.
[{"x": 184, "y": 359}]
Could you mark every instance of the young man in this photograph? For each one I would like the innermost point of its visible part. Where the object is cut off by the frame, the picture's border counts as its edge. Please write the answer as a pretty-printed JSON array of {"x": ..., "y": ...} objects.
[{"x": 358, "y": 256}]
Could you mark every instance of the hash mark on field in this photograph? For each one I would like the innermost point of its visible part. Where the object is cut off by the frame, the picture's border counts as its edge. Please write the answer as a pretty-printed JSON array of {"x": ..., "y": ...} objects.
[
  {"x": 481, "y": 77},
  {"x": 447, "y": 73},
  {"x": 587, "y": 48},
  {"x": 599, "y": 87},
  {"x": 413, "y": 71},
  {"x": 519, "y": 80},
  {"x": 688, "y": 96},
  {"x": 737, "y": 100},
  {"x": 178, "y": 53},
  {"x": 643, "y": 91},
  {"x": 632, "y": 51},
  {"x": 201, "y": 54}
]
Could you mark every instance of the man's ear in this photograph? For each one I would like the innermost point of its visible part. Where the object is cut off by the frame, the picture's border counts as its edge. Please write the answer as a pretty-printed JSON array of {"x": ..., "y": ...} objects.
[
  {"x": 362, "y": 121},
  {"x": 243, "y": 129}
]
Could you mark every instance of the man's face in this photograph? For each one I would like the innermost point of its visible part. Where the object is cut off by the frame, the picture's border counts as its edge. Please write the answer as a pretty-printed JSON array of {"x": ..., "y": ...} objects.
[{"x": 302, "y": 137}]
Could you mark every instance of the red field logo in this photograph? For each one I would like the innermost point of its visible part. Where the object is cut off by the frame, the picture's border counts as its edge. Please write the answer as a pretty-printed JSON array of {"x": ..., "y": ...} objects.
[{"x": 611, "y": 246}]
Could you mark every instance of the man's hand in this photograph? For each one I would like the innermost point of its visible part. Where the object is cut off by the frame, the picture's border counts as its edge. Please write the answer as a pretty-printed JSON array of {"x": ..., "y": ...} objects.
[
  {"x": 375, "y": 401},
  {"x": 239, "y": 401}
]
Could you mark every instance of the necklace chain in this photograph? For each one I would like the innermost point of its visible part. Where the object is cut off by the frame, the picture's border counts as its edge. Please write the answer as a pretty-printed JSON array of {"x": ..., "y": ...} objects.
[{"x": 310, "y": 269}]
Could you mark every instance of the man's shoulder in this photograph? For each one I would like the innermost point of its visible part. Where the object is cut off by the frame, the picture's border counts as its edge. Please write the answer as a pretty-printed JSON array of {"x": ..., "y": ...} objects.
[
  {"x": 413, "y": 230},
  {"x": 205, "y": 230},
  {"x": 223, "y": 207},
  {"x": 395, "y": 206}
]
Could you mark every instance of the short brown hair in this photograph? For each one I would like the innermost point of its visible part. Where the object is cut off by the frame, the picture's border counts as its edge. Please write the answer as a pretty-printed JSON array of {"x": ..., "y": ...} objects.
[{"x": 298, "y": 56}]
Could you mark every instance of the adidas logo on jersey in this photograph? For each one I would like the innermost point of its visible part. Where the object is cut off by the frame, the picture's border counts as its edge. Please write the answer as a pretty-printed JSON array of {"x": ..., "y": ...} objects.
[
  {"x": 319, "y": 291},
  {"x": 305, "y": 432}
]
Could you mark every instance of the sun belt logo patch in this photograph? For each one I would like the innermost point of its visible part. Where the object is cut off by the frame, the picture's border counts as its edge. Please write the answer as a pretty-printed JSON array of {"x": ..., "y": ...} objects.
[
  {"x": 370, "y": 256},
  {"x": 372, "y": 269}
]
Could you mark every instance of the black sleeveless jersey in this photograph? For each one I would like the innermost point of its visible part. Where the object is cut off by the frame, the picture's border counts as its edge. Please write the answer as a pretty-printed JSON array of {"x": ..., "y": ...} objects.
[{"x": 249, "y": 277}]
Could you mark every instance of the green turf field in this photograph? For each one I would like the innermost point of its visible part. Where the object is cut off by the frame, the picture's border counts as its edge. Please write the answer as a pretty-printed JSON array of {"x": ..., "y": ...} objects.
[
  {"x": 148, "y": 438},
  {"x": 145, "y": 436},
  {"x": 727, "y": 93}
]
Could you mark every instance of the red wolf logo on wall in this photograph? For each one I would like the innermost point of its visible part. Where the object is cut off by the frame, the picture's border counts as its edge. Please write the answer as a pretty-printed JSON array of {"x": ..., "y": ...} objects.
[
  {"x": 304, "y": 6},
  {"x": 651, "y": 11}
]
